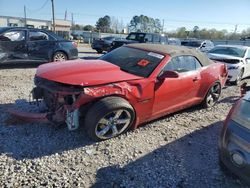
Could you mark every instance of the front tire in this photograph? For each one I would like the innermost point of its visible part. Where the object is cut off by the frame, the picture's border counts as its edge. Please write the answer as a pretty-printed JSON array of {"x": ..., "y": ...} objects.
[
  {"x": 108, "y": 118},
  {"x": 212, "y": 96}
]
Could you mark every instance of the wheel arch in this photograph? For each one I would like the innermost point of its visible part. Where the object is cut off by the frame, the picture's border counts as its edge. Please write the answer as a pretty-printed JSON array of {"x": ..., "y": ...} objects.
[
  {"x": 86, "y": 106},
  {"x": 208, "y": 88},
  {"x": 59, "y": 50}
]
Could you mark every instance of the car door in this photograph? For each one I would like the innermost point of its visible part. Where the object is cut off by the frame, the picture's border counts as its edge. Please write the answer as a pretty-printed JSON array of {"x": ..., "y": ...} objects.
[
  {"x": 177, "y": 93},
  {"x": 13, "y": 46},
  {"x": 148, "y": 38},
  {"x": 40, "y": 46},
  {"x": 156, "y": 38}
]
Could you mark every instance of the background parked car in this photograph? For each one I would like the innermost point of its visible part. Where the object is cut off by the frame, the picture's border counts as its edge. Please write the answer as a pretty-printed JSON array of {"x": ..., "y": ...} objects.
[
  {"x": 203, "y": 46},
  {"x": 235, "y": 139},
  {"x": 137, "y": 37},
  {"x": 237, "y": 59},
  {"x": 174, "y": 41},
  {"x": 103, "y": 44},
  {"x": 34, "y": 45}
]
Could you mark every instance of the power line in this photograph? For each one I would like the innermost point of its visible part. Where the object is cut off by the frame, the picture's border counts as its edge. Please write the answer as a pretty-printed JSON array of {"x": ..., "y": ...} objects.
[{"x": 36, "y": 10}]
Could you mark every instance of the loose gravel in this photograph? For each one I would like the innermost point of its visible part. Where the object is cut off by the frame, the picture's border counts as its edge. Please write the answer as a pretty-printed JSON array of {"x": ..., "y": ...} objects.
[{"x": 179, "y": 150}]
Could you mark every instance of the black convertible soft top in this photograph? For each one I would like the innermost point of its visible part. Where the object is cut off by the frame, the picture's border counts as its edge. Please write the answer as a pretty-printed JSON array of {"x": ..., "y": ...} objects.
[{"x": 173, "y": 51}]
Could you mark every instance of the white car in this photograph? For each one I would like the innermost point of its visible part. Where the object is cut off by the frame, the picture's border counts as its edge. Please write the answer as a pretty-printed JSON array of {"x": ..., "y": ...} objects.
[{"x": 237, "y": 59}]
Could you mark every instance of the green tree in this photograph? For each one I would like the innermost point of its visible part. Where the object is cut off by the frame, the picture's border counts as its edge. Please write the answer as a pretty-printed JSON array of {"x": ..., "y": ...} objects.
[
  {"x": 76, "y": 27},
  {"x": 182, "y": 32},
  {"x": 103, "y": 24},
  {"x": 196, "y": 31},
  {"x": 89, "y": 28},
  {"x": 144, "y": 23}
]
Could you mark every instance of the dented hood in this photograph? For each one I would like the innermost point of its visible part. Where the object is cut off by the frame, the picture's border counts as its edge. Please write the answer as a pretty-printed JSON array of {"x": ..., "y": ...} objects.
[{"x": 84, "y": 72}]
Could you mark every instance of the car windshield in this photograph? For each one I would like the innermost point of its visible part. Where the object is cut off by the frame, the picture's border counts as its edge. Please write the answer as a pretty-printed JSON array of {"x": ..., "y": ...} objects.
[
  {"x": 228, "y": 50},
  {"x": 136, "y": 36},
  {"x": 134, "y": 61},
  {"x": 242, "y": 115}
]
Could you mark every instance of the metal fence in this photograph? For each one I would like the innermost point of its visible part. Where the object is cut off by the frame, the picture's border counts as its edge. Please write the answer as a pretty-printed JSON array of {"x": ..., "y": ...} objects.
[
  {"x": 232, "y": 42},
  {"x": 88, "y": 37}
]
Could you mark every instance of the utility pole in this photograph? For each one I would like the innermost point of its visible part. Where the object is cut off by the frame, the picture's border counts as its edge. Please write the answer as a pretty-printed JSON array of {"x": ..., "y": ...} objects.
[
  {"x": 163, "y": 25},
  {"x": 25, "y": 18},
  {"x": 72, "y": 19},
  {"x": 235, "y": 28},
  {"x": 53, "y": 15}
]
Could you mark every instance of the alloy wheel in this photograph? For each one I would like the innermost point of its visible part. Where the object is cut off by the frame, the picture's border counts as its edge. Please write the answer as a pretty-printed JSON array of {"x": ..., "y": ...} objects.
[
  {"x": 213, "y": 95},
  {"x": 113, "y": 124},
  {"x": 60, "y": 57}
]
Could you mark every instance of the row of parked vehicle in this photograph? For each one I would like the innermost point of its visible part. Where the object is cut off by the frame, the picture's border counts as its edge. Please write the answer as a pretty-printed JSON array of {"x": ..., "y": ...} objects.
[
  {"x": 237, "y": 58},
  {"x": 133, "y": 84}
]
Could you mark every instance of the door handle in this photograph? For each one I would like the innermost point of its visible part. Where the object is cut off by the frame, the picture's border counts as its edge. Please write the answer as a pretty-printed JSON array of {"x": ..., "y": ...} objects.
[{"x": 195, "y": 79}]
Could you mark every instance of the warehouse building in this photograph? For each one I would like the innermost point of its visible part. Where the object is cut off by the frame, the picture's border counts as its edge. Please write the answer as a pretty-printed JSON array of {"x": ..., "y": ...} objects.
[{"x": 62, "y": 27}]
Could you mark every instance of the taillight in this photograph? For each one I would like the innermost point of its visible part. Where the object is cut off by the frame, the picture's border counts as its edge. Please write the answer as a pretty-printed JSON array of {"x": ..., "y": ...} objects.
[{"x": 74, "y": 44}]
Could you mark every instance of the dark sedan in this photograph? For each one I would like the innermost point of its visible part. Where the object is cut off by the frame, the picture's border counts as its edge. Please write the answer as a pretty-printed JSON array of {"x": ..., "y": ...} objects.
[
  {"x": 34, "y": 45},
  {"x": 235, "y": 139},
  {"x": 103, "y": 44}
]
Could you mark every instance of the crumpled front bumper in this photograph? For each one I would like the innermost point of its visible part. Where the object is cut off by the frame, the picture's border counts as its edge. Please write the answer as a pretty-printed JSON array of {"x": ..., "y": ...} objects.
[
  {"x": 29, "y": 116},
  {"x": 59, "y": 115}
]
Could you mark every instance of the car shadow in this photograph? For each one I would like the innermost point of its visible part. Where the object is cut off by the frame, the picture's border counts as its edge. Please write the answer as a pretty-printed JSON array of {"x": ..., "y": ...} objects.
[
  {"x": 230, "y": 99},
  {"x": 81, "y": 52},
  {"x": 22, "y": 140},
  {"x": 184, "y": 162},
  {"x": 89, "y": 57},
  {"x": 46, "y": 138},
  {"x": 19, "y": 65}
]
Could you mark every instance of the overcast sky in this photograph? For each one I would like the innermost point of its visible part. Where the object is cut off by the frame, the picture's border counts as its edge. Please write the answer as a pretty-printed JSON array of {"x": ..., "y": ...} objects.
[{"x": 219, "y": 14}]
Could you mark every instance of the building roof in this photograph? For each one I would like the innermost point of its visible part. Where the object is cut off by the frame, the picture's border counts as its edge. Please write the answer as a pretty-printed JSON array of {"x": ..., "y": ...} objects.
[
  {"x": 31, "y": 19},
  {"x": 173, "y": 51}
]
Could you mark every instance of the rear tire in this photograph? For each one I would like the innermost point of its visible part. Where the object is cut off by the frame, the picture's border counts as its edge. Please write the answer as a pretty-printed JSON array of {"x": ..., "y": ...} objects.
[
  {"x": 99, "y": 51},
  {"x": 108, "y": 118},
  {"x": 212, "y": 96},
  {"x": 59, "y": 56}
]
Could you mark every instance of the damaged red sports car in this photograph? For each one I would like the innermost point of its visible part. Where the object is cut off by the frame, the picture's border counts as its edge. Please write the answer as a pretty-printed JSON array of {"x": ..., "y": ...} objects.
[{"x": 133, "y": 84}]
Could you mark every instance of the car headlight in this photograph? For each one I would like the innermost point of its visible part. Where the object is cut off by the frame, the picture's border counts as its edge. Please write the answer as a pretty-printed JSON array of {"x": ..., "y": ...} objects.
[
  {"x": 231, "y": 68},
  {"x": 237, "y": 158}
]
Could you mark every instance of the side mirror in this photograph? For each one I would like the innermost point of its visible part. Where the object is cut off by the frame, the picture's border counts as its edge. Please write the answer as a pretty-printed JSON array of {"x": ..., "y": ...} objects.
[{"x": 168, "y": 74}]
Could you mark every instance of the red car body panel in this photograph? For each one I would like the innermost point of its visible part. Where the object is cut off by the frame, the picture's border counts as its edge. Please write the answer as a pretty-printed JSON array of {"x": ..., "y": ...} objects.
[
  {"x": 149, "y": 97},
  {"x": 84, "y": 72}
]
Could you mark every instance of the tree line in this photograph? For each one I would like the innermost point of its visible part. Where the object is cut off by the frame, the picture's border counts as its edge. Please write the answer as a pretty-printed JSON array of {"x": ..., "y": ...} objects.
[{"x": 142, "y": 23}]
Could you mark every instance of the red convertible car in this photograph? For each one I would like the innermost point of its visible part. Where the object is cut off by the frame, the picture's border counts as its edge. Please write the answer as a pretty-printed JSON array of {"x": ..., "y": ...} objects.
[{"x": 133, "y": 84}]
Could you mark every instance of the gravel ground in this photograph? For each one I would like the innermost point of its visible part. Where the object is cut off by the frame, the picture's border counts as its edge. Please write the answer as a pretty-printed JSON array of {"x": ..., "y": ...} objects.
[{"x": 179, "y": 150}]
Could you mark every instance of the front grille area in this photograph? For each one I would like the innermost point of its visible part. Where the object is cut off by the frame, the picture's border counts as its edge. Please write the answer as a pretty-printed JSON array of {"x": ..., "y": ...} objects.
[{"x": 53, "y": 86}]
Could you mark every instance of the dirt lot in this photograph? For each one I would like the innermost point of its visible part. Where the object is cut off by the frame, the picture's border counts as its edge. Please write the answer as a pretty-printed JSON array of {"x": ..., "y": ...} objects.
[{"x": 179, "y": 150}]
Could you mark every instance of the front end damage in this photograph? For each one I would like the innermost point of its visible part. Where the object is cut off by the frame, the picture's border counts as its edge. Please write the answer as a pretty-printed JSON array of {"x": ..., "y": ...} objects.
[
  {"x": 244, "y": 88},
  {"x": 67, "y": 103},
  {"x": 58, "y": 98}
]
